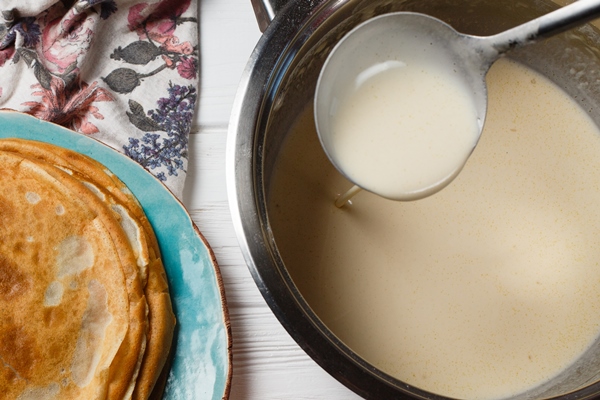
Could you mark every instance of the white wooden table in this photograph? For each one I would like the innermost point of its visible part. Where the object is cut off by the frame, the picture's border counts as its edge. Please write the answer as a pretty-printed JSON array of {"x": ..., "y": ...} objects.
[{"x": 267, "y": 363}]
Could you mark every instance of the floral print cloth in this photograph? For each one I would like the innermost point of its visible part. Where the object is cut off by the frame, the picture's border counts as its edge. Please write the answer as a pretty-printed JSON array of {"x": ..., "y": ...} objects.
[{"x": 122, "y": 71}]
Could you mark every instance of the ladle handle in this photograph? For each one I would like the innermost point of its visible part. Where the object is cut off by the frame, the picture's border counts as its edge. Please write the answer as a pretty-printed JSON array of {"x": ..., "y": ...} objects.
[{"x": 547, "y": 25}]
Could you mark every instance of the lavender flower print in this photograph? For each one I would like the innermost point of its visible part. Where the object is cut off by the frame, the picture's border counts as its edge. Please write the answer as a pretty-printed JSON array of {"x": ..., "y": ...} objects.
[
  {"x": 26, "y": 27},
  {"x": 173, "y": 116},
  {"x": 30, "y": 31}
]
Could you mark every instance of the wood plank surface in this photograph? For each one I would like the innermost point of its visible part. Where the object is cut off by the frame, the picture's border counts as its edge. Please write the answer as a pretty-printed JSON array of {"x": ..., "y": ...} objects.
[{"x": 267, "y": 363}]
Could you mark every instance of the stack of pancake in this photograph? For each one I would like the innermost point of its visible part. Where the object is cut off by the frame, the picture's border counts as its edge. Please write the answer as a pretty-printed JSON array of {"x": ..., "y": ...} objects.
[{"x": 85, "y": 310}]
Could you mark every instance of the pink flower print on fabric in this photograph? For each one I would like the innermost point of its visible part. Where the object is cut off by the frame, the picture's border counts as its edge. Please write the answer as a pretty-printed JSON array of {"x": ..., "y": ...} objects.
[
  {"x": 156, "y": 21},
  {"x": 6, "y": 55},
  {"x": 69, "y": 107},
  {"x": 188, "y": 68},
  {"x": 65, "y": 39},
  {"x": 173, "y": 49},
  {"x": 172, "y": 45}
]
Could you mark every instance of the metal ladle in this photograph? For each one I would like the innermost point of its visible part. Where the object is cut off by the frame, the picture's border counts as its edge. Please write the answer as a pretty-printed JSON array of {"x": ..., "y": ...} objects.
[{"x": 386, "y": 37}]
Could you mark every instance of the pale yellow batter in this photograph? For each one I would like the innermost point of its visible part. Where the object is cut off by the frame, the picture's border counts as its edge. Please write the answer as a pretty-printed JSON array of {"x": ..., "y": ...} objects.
[{"x": 483, "y": 290}]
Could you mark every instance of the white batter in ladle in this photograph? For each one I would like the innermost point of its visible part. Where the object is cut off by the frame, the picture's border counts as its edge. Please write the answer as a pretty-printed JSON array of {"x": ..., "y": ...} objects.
[{"x": 401, "y": 100}]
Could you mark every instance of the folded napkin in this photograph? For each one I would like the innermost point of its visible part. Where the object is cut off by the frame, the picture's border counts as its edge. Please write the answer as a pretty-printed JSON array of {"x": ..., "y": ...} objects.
[{"x": 122, "y": 71}]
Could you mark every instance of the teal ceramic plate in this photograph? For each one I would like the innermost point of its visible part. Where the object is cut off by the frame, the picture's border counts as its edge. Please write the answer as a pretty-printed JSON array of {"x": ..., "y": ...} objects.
[{"x": 201, "y": 367}]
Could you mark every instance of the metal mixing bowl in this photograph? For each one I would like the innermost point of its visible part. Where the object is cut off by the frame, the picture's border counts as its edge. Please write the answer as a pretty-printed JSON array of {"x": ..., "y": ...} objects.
[{"x": 279, "y": 83}]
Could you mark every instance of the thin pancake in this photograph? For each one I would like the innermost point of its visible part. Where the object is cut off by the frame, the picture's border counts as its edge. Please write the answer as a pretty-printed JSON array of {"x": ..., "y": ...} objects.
[
  {"x": 125, "y": 366},
  {"x": 161, "y": 319},
  {"x": 98, "y": 179},
  {"x": 64, "y": 306}
]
